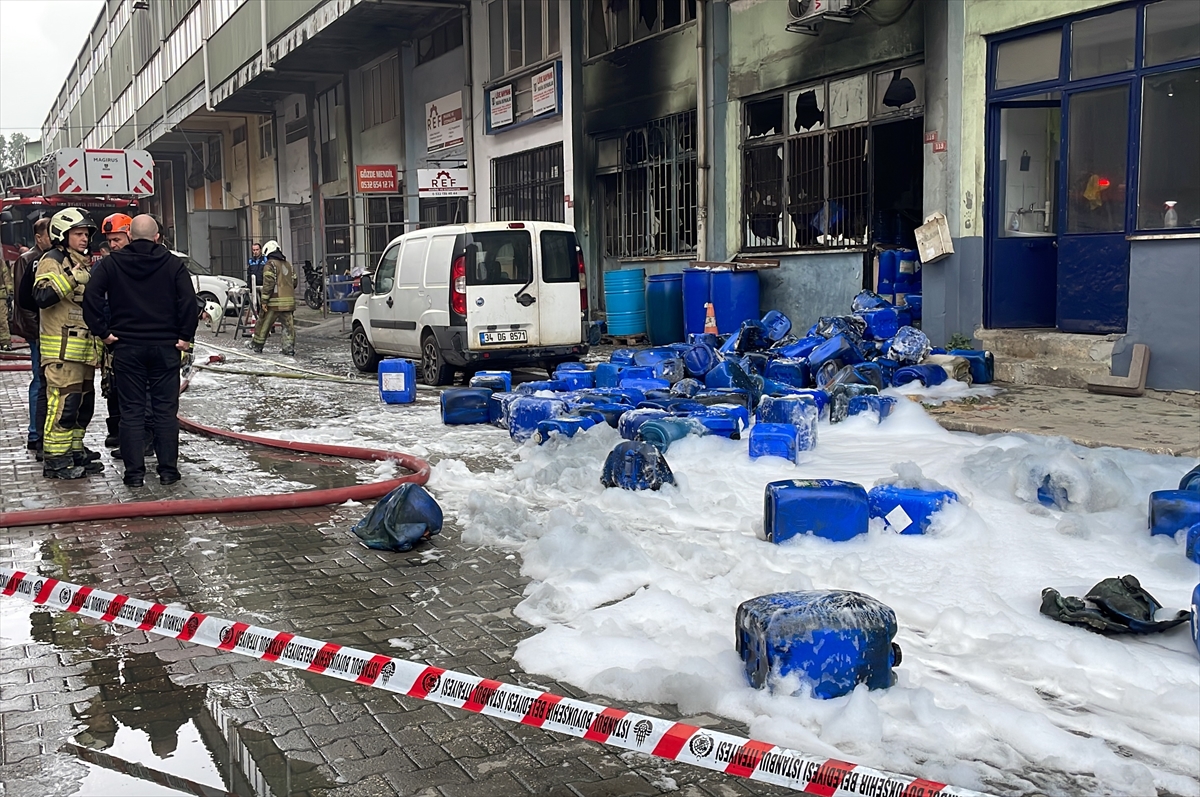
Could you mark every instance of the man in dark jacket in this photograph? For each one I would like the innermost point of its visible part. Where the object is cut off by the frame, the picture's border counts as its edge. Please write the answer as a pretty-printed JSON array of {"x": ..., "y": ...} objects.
[
  {"x": 25, "y": 323},
  {"x": 152, "y": 318}
]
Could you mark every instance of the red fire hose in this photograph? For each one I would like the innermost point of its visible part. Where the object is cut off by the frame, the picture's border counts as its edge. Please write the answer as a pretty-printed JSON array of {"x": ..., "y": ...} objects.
[{"x": 248, "y": 503}]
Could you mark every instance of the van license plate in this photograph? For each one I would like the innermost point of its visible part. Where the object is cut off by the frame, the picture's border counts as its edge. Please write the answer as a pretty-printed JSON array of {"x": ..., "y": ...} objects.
[{"x": 507, "y": 336}]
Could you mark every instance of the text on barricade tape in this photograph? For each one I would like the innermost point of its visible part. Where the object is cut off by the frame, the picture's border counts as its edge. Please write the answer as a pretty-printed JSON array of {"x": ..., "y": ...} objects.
[{"x": 662, "y": 738}]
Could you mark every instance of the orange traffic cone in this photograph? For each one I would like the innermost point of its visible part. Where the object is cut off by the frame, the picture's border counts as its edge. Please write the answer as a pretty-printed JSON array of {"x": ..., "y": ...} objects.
[{"x": 710, "y": 319}]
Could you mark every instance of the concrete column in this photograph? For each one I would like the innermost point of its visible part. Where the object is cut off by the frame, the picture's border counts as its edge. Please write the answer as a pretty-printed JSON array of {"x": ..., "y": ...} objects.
[{"x": 952, "y": 287}]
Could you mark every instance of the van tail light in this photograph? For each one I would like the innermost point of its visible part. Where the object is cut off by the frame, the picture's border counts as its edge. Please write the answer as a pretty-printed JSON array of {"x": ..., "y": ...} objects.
[
  {"x": 458, "y": 286},
  {"x": 583, "y": 297}
]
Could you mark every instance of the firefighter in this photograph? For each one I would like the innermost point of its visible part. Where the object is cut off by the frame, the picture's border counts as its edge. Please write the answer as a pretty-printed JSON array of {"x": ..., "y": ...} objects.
[
  {"x": 5, "y": 292},
  {"x": 69, "y": 351},
  {"x": 278, "y": 299}
]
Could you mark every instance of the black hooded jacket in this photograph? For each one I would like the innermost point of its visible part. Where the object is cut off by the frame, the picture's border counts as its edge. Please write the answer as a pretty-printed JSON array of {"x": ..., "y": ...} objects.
[{"x": 149, "y": 296}]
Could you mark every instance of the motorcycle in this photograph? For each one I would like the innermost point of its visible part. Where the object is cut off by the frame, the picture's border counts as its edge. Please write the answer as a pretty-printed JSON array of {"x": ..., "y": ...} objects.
[{"x": 314, "y": 285}]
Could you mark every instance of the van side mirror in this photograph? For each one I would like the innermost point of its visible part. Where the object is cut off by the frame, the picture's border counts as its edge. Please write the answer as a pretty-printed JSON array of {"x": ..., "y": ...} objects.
[{"x": 365, "y": 285}]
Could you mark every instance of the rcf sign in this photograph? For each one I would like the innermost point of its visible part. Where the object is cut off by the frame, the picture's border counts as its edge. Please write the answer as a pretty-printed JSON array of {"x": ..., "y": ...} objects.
[{"x": 378, "y": 179}]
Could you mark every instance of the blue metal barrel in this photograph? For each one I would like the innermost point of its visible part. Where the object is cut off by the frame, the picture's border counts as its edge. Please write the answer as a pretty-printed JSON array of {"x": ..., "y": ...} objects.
[{"x": 625, "y": 300}]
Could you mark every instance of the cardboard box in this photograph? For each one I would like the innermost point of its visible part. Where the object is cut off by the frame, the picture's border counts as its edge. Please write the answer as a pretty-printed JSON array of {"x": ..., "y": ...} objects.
[{"x": 933, "y": 239}]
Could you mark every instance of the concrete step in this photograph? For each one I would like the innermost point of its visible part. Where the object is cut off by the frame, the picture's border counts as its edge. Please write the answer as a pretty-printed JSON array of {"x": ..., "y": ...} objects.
[
  {"x": 1047, "y": 343},
  {"x": 1051, "y": 372}
]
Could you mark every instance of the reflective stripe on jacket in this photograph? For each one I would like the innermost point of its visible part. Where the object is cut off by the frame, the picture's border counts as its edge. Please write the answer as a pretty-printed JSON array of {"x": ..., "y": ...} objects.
[
  {"x": 63, "y": 335},
  {"x": 279, "y": 284}
]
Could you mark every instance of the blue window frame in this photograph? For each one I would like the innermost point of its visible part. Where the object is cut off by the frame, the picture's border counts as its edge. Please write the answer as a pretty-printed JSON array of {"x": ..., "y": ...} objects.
[{"x": 1172, "y": 70}]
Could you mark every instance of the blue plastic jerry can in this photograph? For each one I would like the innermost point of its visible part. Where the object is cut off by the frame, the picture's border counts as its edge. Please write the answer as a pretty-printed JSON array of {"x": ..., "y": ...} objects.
[
  {"x": 1196, "y": 617},
  {"x": 801, "y": 348},
  {"x": 724, "y": 420},
  {"x": 907, "y": 510},
  {"x": 835, "y": 510},
  {"x": 1173, "y": 510},
  {"x": 801, "y": 411},
  {"x": 635, "y": 465},
  {"x": 575, "y": 379},
  {"x": 882, "y": 406},
  {"x": 524, "y": 413},
  {"x": 465, "y": 405},
  {"x": 983, "y": 364},
  {"x": 789, "y": 372},
  {"x": 882, "y": 322},
  {"x": 662, "y": 432},
  {"x": 927, "y": 375},
  {"x": 609, "y": 374},
  {"x": 398, "y": 381},
  {"x": 776, "y": 440},
  {"x": 499, "y": 381},
  {"x": 622, "y": 356},
  {"x": 566, "y": 426},
  {"x": 632, "y": 421},
  {"x": 832, "y": 640},
  {"x": 777, "y": 325}
]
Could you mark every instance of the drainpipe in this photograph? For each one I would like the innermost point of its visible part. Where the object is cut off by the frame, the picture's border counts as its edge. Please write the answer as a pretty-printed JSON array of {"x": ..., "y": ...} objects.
[
  {"x": 469, "y": 116},
  {"x": 701, "y": 133},
  {"x": 161, "y": 35},
  {"x": 202, "y": 10},
  {"x": 262, "y": 24}
]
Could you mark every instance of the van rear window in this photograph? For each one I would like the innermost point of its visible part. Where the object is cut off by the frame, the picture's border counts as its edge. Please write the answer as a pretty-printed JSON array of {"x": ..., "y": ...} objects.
[
  {"x": 504, "y": 257},
  {"x": 558, "y": 256}
]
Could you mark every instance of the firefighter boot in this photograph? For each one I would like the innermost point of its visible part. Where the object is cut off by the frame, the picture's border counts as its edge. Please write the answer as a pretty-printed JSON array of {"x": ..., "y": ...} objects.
[
  {"x": 63, "y": 467},
  {"x": 84, "y": 459}
]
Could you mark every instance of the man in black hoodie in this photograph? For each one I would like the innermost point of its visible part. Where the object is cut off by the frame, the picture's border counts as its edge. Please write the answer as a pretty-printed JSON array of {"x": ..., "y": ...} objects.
[{"x": 152, "y": 318}]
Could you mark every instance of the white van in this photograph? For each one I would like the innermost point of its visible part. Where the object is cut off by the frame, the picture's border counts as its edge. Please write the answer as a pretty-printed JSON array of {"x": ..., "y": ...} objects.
[{"x": 474, "y": 296}]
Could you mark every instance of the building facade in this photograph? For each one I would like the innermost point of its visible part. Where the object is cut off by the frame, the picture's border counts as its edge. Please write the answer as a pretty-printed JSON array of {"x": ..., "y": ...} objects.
[{"x": 1053, "y": 136}]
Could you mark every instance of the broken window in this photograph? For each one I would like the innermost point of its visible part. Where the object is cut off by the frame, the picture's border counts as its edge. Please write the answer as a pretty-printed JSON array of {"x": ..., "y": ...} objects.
[
  {"x": 615, "y": 23},
  {"x": 649, "y": 196},
  {"x": 805, "y": 186}
]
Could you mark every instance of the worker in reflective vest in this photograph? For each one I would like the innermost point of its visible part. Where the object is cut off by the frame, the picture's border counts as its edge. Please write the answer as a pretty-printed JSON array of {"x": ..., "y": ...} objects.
[{"x": 69, "y": 351}]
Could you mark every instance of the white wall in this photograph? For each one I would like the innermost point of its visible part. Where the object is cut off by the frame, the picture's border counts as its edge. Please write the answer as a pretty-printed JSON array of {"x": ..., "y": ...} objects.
[
  {"x": 295, "y": 184},
  {"x": 529, "y": 136}
]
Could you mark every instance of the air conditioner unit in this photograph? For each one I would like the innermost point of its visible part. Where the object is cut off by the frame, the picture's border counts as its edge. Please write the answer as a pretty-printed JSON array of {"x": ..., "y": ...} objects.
[{"x": 805, "y": 14}]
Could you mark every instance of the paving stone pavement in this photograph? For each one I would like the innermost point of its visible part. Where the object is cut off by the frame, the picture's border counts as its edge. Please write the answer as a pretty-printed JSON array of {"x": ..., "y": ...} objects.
[{"x": 228, "y": 721}]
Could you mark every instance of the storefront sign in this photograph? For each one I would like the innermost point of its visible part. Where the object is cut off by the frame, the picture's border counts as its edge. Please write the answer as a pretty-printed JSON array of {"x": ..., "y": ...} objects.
[
  {"x": 545, "y": 91},
  {"x": 382, "y": 179},
  {"x": 444, "y": 123},
  {"x": 443, "y": 182},
  {"x": 500, "y": 106}
]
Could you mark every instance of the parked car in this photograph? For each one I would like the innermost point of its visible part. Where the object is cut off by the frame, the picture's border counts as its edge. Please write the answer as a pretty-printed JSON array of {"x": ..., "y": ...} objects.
[
  {"x": 472, "y": 296},
  {"x": 211, "y": 287}
]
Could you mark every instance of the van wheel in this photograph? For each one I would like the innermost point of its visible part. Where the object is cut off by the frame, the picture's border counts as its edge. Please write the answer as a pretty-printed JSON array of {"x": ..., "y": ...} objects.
[
  {"x": 434, "y": 370},
  {"x": 362, "y": 352}
]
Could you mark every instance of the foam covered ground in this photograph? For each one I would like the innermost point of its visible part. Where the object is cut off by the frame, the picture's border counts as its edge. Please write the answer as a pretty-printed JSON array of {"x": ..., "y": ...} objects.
[{"x": 634, "y": 593}]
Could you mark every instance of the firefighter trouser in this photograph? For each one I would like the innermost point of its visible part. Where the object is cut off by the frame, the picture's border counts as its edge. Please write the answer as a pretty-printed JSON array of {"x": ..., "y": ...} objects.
[
  {"x": 5, "y": 337},
  {"x": 268, "y": 319},
  {"x": 70, "y": 401}
]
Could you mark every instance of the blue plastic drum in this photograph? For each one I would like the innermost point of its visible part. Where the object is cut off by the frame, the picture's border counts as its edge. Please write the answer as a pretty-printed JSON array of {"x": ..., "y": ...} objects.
[
  {"x": 625, "y": 300},
  {"x": 664, "y": 309}
]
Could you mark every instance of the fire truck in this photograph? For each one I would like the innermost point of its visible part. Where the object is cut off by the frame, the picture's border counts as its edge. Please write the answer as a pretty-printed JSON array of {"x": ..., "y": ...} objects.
[{"x": 101, "y": 181}]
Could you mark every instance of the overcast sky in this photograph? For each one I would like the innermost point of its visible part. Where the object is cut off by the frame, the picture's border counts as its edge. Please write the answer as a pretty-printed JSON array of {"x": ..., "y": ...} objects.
[{"x": 40, "y": 42}]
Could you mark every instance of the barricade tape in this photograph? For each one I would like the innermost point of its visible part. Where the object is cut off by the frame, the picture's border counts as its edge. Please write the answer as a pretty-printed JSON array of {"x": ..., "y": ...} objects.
[{"x": 674, "y": 741}]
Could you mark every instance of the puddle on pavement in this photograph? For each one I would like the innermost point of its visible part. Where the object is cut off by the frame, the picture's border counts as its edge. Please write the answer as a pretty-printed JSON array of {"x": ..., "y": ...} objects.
[{"x": 142, "y": 735}]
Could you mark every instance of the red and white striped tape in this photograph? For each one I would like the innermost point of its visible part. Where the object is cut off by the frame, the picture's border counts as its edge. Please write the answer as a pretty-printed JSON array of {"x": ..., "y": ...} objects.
[{"x": 675, "y": 741}]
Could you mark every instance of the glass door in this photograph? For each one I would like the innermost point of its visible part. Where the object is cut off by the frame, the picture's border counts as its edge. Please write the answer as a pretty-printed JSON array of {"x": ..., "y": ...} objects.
[
  {"x": 1023, "y": 278},
  {"x": 1093, "y": 263}
]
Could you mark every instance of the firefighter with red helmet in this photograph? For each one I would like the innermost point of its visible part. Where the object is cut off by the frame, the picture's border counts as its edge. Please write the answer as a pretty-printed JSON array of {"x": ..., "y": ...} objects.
[{"x": 69, "y": 351}]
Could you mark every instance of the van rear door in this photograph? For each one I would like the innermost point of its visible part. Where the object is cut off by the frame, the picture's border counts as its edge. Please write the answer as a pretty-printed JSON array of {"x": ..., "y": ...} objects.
[
  {"x": 560, "y": 310},
  {"x": 502, "y": 290}
]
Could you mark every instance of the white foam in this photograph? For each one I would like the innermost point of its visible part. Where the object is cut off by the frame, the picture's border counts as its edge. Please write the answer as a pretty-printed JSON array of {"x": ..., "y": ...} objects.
[{"x": 634, "y": 593}]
